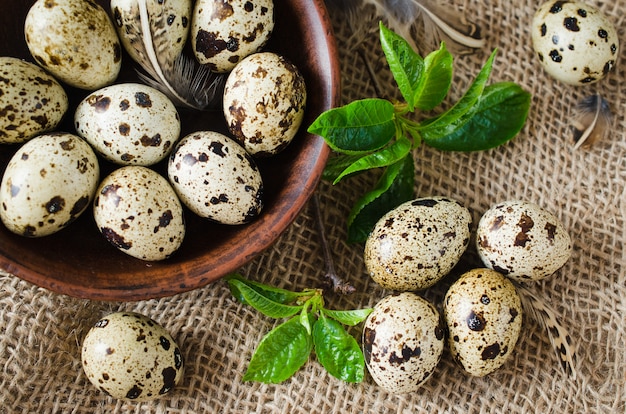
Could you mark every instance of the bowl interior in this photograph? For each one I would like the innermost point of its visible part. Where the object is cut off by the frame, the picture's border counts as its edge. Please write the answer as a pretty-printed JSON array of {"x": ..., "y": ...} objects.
[{"x": 79, "y": 262}]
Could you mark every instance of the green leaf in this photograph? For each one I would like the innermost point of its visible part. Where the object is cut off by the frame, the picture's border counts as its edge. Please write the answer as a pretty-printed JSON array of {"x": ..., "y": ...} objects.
[
  {"x": 270, "y": 292},
  {"x": 305, "y": 318},
  {"x": 382, "y": 158},
  {"x": 261, "y": 303},
  {"x": 447, "y": 122},
  {"x": 500, "y": 114},
  {"x": 436, "y": 80},
  {"x": 338, "y": 351},
  {"x": 280, "y": 354},
  {"x": 395, "y": 186},
  {"x": 349, "y": 317},
  {"x": 405, "y": 65},
  {"x": 337, "y": 164},
  {"x": 359, "y": 127}
]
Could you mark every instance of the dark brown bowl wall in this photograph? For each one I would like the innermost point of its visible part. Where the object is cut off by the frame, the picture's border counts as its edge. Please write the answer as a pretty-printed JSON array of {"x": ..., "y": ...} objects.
[{"x": 78, "y": 261}]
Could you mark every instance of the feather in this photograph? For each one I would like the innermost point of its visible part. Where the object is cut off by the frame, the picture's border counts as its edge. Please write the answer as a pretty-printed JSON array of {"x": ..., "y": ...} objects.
[
  {"x": 545, "y": 316},
  {"x": 156, "y": 43},
  {"x": 424, "y": 23},
  {"x": 591, "y": 121}
]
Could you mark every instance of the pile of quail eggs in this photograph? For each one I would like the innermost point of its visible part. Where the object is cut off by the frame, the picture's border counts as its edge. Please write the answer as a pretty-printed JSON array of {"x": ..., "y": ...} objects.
[
  {"x": 54, "y": 176},
  {"x": 417, "y": 244}
]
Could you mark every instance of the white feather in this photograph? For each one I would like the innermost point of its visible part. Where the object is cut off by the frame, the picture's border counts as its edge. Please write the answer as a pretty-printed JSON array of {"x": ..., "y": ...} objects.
[
  {"x": 145, "y": 34},
  {"x": 438, "y": 22}
]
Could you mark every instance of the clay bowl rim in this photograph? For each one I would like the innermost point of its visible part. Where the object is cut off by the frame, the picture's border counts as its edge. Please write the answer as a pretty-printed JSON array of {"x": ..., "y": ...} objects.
[{"x": 188, "y": 271}]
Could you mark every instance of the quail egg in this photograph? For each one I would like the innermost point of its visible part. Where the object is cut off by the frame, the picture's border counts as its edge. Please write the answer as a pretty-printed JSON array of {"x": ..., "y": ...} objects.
[
  {"x": 169, "y": 21},
  {"x": 483, "y": 313},
  {"x": 417, "y": 243},
  {"x": 48, "y": 183},
  {"x": 32, "y": 101},
  {"x": 131, "y": 357},
  {"x": 576, "y": 43},
  {"x": 403, "y": 341},
  {"x": 216, "y": 178},
  {"x": 522, "y": 241},
  {"x": 129, "y": 123},
  {"x": 75, "y": 41},
  {"x": 138, "y": 212},
  {"x": 264, "y": 103},
  {"x": 223, "y": 32}
]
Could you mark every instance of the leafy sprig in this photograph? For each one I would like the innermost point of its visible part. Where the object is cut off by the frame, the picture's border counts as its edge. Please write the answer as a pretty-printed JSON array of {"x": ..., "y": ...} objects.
[
  {"x": 309, "y": 327},
  {"x": 376, "y": 133}
]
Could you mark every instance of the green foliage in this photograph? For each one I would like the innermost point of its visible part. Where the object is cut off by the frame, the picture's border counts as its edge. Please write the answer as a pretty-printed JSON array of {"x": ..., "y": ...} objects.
[
  {"x": 309, "y": 327},
  {"x": 378, "y": 134}
]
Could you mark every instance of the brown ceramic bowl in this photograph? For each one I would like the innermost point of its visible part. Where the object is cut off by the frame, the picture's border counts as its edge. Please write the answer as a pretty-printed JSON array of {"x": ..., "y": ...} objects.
[{"x": 78, "y": 261}]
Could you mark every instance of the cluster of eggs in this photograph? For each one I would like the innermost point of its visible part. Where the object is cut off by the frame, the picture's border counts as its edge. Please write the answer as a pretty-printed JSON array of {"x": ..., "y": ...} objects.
[
  {"x": 55, "y": 176},
  {"x": 414, "y": 246}
]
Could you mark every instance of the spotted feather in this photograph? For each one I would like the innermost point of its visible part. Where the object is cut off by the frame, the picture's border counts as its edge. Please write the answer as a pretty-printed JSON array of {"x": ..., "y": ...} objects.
[{"x": 536, "y": 308}]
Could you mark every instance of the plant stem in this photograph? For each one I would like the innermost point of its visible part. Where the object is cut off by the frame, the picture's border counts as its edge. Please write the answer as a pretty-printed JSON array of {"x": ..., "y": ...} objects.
[{"x": 335, "y": 281}]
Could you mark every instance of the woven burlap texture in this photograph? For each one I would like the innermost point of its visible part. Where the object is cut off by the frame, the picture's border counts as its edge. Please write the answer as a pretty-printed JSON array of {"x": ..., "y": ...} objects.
[{"x": 41, "y": 332}]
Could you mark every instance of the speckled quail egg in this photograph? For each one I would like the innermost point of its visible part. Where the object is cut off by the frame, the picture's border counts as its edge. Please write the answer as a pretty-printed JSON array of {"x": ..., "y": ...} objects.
[
  {"x": 32, "y": 101},
  {"x": 75, "y": 41},
  {"x": 170, "y": 21},
  {"x": 223, "y": 32},
  {"x": 576, "y": 43},
  {"x": 138, "y": 212},
  {"x": 48, "y": 183},
  {"x": 417, "y": 243},
  {"x": 522, "y": 240},
  {"x": 403, "y": 340},
  {"x": 483, "y": 313},
  {"x": 129, "y": 123},
  {"x": 216, "y": 178},
  {"x": 131, "y": 357},
  {"x": 264, "y": 103}
]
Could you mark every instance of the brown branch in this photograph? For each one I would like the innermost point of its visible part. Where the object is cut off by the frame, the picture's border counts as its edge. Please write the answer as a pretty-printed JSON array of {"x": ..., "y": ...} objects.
[{"x": 333, "y": 280}]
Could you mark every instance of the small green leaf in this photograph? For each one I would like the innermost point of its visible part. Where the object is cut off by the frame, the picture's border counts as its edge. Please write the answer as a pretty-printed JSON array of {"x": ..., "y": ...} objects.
[
  {"x": 499, "y": 115},
  {"x": 261, "y": 303},
  {"x": 338, "y": 351},
  {"x": 382, "y": 158},
  {"x": 405, "y": 65},
  {"x": 447, "y": 122},
  {"x": 270, "y": 292},
  {"x": 305, "y": 318},
  {"x": 280, "y": 354},
  {"x": 359, "y": 127},
  {"x": 436, "y": 80},
  {"x": 395, "y": 186},
  {"x": 349, "y": 317}
]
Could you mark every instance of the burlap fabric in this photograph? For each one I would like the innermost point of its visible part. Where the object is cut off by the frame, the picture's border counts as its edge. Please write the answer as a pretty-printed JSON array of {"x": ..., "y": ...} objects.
[{"x": 41, "y": 332}]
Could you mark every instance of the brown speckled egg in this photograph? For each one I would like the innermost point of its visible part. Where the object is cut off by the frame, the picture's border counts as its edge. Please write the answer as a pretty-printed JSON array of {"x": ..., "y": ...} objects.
[
  {"x": 483, "y": 313},
  {"x": 403, "y": 340},
  {"x": 522, "y": 240},
  {"x": 216, "y": 178},
  {"x": 264, "y": 103},
  {"x": 75, "y": 41},
  {"x": 32, "y": 101},
  {"x": 138, "y": 212},
  {"x": 129, "y": 123},
  {"x": 575, "y": 42},
  {"x": 131, "y": 357},
  {"x": 48, "y": 183},
  {"x": 169, "y": 20},
  {"x": 224, "y": 32},
  {"x": 417, "y": 243}
]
